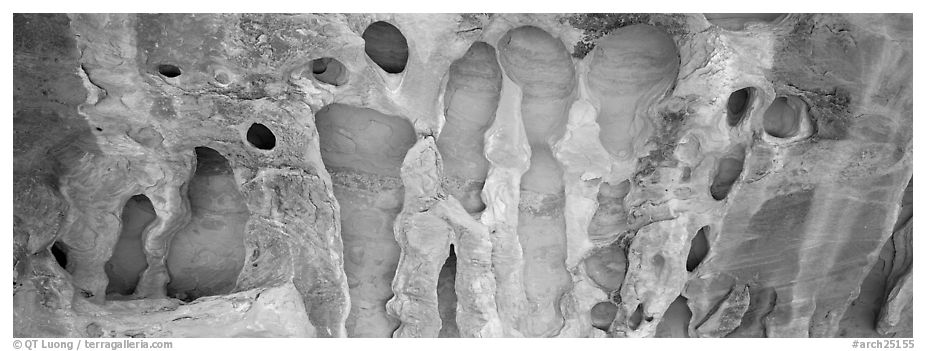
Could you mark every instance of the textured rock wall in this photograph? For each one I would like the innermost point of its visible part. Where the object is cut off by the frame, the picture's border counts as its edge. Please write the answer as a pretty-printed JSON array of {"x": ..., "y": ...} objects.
[{"x": 463, "y": 175}]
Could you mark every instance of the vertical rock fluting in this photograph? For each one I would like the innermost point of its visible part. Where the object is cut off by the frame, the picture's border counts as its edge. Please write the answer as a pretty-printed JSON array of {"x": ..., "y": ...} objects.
[
  {"x": 629, "y": 71},
  {"x": 470, "y": 100},
  {"x": 736, "y": 175},
  {"x": 540, "y": 65},
  {"x": 363, "y": 151}
]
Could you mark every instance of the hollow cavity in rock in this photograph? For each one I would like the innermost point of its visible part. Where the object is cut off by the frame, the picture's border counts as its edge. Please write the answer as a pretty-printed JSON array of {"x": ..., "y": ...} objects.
[
  {"x": 738, "y": 105},
  {"x": 128, "y": 260},
  {"x": 261, "y": 137},
  {"x": 363, "y": 151},
  {"x": 447, "y": 297},
  {"x": 698, "y": 250},
  {"x": 329, "y": 70},
  {"x": 169, "y": 71},
  {"x": 727, "y": 172},
  {"x": 782, "y": 119},
  {"x": 386, "y": 46},
  {"x": 675, "y": 320},
  {"x": 602, "y": 314},
  {"x": 207, "y": 255},
  {"x": 470, "y": 101}
]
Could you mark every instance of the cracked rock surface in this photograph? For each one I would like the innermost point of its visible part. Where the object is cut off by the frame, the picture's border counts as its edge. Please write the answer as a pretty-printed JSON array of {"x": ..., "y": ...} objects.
[{"x": 462, "y": 175}]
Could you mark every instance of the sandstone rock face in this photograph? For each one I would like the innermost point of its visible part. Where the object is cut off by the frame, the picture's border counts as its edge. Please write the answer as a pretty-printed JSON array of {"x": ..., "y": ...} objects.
[{"x": 463, "y": 175}]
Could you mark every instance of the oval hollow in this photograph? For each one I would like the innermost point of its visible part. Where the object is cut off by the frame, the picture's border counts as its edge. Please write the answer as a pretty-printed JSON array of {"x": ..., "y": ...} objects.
[
  {"x": 603, "y": 314},
  {"x": 169, "y": 71},
  {"x": 698, "y": 250},
  {"x": 329, "y": 70},
  {"x": 782, "y": 118},
  {"x": 727, "y": 172},
  {"x": 261, "y": 137},
  {"x": 386, "y": 46},
  {"x": 738, "y": 104}
]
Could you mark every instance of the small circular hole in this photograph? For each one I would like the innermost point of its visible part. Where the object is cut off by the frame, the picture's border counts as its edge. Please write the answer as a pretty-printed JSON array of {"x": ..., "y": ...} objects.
[
  {"x": 169, "y": 71},
  {"x": 329, "y": 70},
  {"x": 261, "y": 137}
]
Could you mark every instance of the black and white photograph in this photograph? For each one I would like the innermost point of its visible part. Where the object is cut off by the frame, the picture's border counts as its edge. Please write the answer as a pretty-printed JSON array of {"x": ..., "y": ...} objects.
[{"x": 497, "y": 175}]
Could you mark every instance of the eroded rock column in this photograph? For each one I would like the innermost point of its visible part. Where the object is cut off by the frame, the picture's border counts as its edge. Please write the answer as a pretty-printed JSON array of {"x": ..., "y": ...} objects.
[
  {"x": 540, "y": 65},
  {"x": 363, "y": 151}
]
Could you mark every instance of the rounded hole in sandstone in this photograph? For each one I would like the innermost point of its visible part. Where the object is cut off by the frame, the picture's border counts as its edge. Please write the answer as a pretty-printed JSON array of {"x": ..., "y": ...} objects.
[
  {"x": 698, "y": 250},
  {"x": 386, "y": 46},
  {"x": 447, "y": 297},
  {"x": 363, "y": 151},
  {"x": 727, "y": 172},
  {"x": 206, "y": 256},
  {"x": 169, "y": 71},
  {"x": 607, "y": 266},
  {"x": 633, "y": 65},
  {"x": 329, "y": 70},
  {"x": 782, "y": 119},
  {"x": 60, "y": 252},
  {"x": 128, "y": 260},
  {"x": 261, "y": 137},
  {"x": 738, "y": 105},
  {"x": 470, "y": 101},
  {"x": 636, "y": 318},
  {"x": 675, "y": 320},
  {"x": 603, "y": 314}
]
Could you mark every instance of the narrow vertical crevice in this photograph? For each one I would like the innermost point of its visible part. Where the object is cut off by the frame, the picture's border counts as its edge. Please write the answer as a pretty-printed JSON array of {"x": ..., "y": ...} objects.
[
  {"x": 60, "y": 252},
  {"x": 128, "y": 259},
  {"x": 636, "y": 318},
  {"x": 447, "y": 297},
  {"x": 698, "y": 250}
]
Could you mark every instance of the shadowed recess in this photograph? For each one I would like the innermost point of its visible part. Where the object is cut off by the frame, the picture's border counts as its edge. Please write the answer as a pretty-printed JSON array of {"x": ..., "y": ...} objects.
[
  {"x": 169, "y": 71},
  {"x": 607, "y": 266},
  {"x": 128, "y": 259},
  {"x": 727, "y": 172},
  {"x": 363, "y": 139},
  {"x": 329, "y": 70},
  {"x": 630, "y": 68},
  {"x": 447, "y": 297},
  {"x": 470, "y": 101},
  {"x": 363, "y": 151},
  {"x": 60, "y": 253},
  {"x": 738, "y": 105},
  {"x": 261, "y": 137},
  {"x": 698, "y": 250},
  {"x": 207, "y": 255},
  {"x": 636, "y": 318},
  {"x": 675, "y": 320},
  {"x": 602, "y": 314},
  {"x": 386, "y": 46},
  {"x": 782, "y": 119}
]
